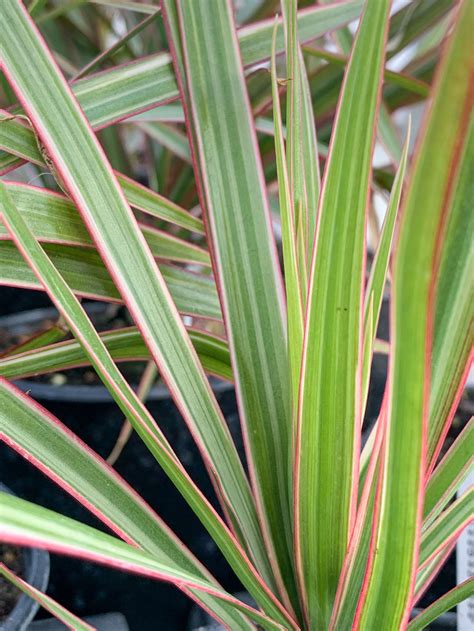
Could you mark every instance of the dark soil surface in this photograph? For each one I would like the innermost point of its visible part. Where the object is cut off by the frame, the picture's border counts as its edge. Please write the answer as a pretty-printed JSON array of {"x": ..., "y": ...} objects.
[{"x": 10, "y": 556}]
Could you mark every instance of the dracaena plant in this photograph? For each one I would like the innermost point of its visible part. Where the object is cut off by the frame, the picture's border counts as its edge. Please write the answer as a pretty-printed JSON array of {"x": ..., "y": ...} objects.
[{"x": 321, "y": 533}]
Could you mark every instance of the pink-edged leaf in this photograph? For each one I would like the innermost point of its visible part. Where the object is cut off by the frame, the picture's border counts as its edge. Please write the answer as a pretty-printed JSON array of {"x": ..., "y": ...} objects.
[
  {"x": 17, "y": 137},
  {"x": 53, "y": 219},
  {"x": 130, "y": 404},
  {"x": 426, "y": 576},
  {"x": 449, "y": 474},
  {"x": 453, "y": 335},
  {"x": 85, "y": 273},
  {"x": 330, "y": 406},
  {"x": 229, "y": 172},
  {"x": 293, "y": 285},
  {"x": 444, "y": 603},
  {"x": 57, "y": 610},
  {"x": 123, "y": 345},
  {"x": 361, "y": 548},
  {"x": 379, "y": 269},
  {"x": 427, "y": 203},
  {"x": 91, "y": 184},
  {"x": 301, "y": 145},
  {"x": 447, "y": 527},
  {"x": 24, "y": 523},
  {"x": 41, "y": 438}
]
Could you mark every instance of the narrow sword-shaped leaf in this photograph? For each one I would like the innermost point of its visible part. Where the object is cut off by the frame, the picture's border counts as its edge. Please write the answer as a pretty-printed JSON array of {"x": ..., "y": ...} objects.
[
  {"x": 421, "y": 69},
  {"x": 378, "y": 272},
  {"x": 53, "y": 218},
  {"x": 427, "y": 574},
  {"x": 54, "y": 333},
  {"x": 294, "y": 298},
  {"x": 351, "y": 581},
  {"x": 113, "y": 95},
  {"x": 449, "y": 474},
  {"x": 454, "y": 315},
  {"x": 106, "y": 54},
  {"x": 95, "y": 191},
  {"x": 56, "y": 451},
  {"x": 427, "y": 201},
  {"x": 57, "y": 610},
  {"x": 85, "y": 272},
  {"x": 447, "y": 527},
  {"x": 302, "y": 151},
  {"x": 130, "y": 404},
  {"x": 330, "y": 397},
  {"x": 122, "y": 344},
  {"x": 444, "y": 603},
  {"x": 25, "y": 523},
  {"x": 244, "y": 255},
  {"x": 413, "y": 20},
  {"x": 310, "y": 149},
  {"x": 21, "y": 140},
  {"x": 158, "y": 206}
]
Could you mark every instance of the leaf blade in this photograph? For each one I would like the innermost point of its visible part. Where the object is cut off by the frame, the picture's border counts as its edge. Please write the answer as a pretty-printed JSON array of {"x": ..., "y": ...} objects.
[
  {"x": 130, "y": 404},
  {"x": 61, "y": 455},
  {"x": 92, "y": 186},
  {"x": 29, "y": 524},
  {"x": 244, "y": 253},
  {"x": 449, "y": 473},
  {"x": 54, "y": 219},
  {"x": 122, "y": 344},
  {"x": 58, "y": 611},
  {"x": 85, "y": 272},
  {"x": 293, "y": 286},
  {"x": 333, "y": 315},
  {"x": 447, "y": 527},
  {"x": 444, "y": 603},
  {"x": 427, "y": 199}
]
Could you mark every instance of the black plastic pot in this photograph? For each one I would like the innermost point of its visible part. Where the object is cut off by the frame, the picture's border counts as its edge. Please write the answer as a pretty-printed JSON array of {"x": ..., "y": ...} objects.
[{"x": 36, "y": 573}]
